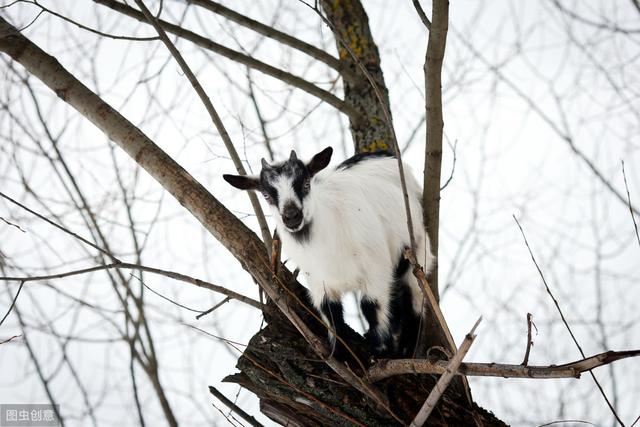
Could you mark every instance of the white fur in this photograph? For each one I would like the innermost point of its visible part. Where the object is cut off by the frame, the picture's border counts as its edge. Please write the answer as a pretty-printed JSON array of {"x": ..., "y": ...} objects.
[{"x": 358, "y": 232}]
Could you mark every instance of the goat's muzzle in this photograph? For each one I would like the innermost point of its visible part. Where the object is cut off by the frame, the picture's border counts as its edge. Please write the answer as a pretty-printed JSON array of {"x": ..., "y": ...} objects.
[{"x": 292, "y": 216}]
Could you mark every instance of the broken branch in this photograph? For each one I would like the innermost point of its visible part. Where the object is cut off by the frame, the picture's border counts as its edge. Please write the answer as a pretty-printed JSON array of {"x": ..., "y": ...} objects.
[{"x": 388, "y": 368}]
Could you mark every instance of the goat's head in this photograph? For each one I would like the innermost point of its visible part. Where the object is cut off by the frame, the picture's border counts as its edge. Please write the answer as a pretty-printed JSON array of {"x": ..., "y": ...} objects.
[{"x": 285, "y": 186}]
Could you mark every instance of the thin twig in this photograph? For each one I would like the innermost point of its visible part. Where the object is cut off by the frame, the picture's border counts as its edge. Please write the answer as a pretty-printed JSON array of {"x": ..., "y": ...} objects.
[
  {"x": 82, "y": 239},
  {"x": 564, "y": 320},
  {"x": 128, "y": 266},
  {"x": 235, "y": 408},
  {"x": 421, "y": 14},
  {"x": 453, "y": 166},
  {"x": 12, "y": 224},
  {"x": 215, "y": 307},
  {"x": 261, "y": 119},
  {"x": 13, "y": 303},
  {"x": 445, "y": 379},
  {"x": 84, "y": 27},
  {"x": 626, "y": 186},
  {"x": 525, "y": 362},
  {"x": 215, "y": 118},
  {"x": 176, "y": 303},
  {"x": 564, "y": 422},
  {"x": 10, "y": 339},
  {"x": 534, "y": 106}
]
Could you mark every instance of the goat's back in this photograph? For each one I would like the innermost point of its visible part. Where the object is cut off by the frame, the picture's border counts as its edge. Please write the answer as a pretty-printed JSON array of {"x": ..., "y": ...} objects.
[{"x": 362, "y": 206}]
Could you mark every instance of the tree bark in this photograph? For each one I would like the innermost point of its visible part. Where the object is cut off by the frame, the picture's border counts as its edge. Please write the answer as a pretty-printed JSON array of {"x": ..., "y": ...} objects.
[
  {"x": 433, "y": 154},
  {"x": 297, "y": 389},
  {"x": 350, "y": 25}
]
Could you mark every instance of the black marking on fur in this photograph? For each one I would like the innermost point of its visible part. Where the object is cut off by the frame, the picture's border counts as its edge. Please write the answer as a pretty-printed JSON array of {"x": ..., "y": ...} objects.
[
  {"x": 401, "y": 267},
  {"x": 404, "y": 322},
  {"x": 292, "y": 168},
  {"x": 269, "y": 193},
  {"x": 370, "y": 309},
  {"x": 332, "y": 309},
  {"x": 378, "y": 343},
  {"x": 303, "y": 235},
  {"x": 361, "y": 157},
  {"x": 333, "y": 312}
]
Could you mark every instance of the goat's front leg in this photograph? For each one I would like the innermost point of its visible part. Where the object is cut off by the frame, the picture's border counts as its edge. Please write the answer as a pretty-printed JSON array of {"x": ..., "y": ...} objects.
[
  {"x": 376, "y": 310},
  {"x": 333, "y": 315}
]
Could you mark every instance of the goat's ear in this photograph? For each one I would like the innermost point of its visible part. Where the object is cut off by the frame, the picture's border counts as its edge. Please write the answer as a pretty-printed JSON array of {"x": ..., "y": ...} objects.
[
  {"x": 320, "y": 161},
  {"x": 242, "y": 182}
]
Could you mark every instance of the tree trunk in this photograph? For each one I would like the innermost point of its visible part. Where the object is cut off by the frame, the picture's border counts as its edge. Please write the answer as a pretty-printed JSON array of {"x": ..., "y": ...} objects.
[
  {"x": 354, "y": 41},
  {"x": 295, "y": 387}
]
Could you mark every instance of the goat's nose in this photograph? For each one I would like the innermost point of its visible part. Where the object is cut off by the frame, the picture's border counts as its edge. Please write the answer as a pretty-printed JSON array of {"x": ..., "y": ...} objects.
[
  {"x": 292, "y": 216},
  {"x": 291, "y": 213}
]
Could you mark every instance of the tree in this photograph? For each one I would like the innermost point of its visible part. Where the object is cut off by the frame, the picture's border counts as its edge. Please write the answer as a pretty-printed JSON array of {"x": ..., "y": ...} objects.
[{"x": 286, "y": 364}]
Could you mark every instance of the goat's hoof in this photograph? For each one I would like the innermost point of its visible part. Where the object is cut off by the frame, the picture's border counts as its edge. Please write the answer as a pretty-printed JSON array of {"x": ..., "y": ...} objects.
[{"x": 381, "y": 351}]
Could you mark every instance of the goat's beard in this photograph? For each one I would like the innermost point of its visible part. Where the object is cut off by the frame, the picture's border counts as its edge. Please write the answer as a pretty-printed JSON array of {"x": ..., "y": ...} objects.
[{"x": 298, "y": 228}]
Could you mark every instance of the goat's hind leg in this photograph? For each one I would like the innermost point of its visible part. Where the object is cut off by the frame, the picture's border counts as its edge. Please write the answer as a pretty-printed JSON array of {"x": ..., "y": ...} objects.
[{"x": 405, "y": 322}]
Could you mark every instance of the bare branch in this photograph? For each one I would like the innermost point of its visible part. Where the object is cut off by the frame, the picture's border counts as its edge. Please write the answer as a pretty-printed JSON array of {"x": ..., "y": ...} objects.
[
  {"x": 573, "y": 337},
  {"x": 274, "y": 34},
  {"x": 82, "y": 239},
  {"x": 215, "y": 118},
  {"x": 263, "y": 67},
  {"x": 435, "y": 124},
  {"x": 603, "y": 26},
  {"x": 633, "y": 217},
  {"x": 127, "y": 266},
  {"x": 388, "y": 368},
  {"x": 261, "y": 119},
  {"x": 454, "y": 150},
  {"x": 6, "y": 221},
  {"x": 84, "y": 27},
  {"x": 235, "y": 408},
  {"x": 11, "y": 338},
  {"x": 214, "y": 308},
  {"x": 449, "y": 372},
  {"x": 421, "y": 14},
  {"x": 13, "y": 303},
  {"x": 525, "y": 361},
  {"x": 538, "y": 110}
]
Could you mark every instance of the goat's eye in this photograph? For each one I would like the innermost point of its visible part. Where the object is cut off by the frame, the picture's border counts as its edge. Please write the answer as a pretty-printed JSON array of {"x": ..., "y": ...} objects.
[
  {"x": 266, "y": 195},
  {"x": 307, "y": 185}
]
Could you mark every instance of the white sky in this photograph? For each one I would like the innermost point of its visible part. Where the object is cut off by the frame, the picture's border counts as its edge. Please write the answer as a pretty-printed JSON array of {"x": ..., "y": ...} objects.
[{"x": 510, "y": 161}]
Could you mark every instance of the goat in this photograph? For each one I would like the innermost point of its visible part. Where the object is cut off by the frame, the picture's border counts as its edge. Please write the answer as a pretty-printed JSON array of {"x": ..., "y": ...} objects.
[{"x": 346, "y": 229}]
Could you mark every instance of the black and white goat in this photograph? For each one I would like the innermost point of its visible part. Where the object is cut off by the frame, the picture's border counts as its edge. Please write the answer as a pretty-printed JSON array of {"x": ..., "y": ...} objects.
[{"x": 346, "y": 229}]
